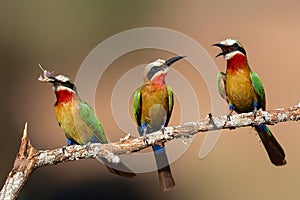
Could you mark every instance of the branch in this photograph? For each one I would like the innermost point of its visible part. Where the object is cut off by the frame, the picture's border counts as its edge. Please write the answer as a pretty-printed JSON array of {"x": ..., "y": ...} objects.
[{"x": 28, "y": 159}]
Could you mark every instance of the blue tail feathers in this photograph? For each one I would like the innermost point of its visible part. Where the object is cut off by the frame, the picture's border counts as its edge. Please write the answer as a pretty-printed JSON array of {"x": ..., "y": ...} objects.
[{"x": 158, "y": 149}]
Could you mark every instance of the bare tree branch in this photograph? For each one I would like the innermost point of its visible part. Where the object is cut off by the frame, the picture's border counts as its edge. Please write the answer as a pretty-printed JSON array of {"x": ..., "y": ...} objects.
[{"x": 28, "y": 159}]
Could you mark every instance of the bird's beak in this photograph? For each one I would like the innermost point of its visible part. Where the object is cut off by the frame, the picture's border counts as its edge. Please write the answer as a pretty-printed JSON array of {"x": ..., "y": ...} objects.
[
  {"x": 172, "y": 60},
  {"x": 225, "y": 49},
  {"x": 49, "y": 79}
]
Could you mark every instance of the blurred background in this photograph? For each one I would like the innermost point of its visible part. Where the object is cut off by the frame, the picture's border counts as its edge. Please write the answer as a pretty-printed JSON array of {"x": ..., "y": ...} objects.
[{"x": 60, "y": 34}]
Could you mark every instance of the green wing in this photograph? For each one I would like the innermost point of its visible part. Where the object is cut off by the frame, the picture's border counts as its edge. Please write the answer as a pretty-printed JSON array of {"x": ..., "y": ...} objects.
[
  {"x": 137, "y": 103},
  {"x": 170, "y": 103},
  {"x": 88, "y": 116},
  {"x": 259, "y": 89},
  {"x": 221, "y": 78}
]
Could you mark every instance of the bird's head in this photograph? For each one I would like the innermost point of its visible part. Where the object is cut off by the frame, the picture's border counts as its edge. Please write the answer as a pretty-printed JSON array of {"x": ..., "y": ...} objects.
[
  {"x": 157, "y": 70},
  {"x": 230, "y": 48},
  {"x": 61, "y": 82}
]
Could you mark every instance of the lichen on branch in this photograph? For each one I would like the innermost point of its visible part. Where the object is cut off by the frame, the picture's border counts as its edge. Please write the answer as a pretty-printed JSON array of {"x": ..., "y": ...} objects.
[{"x": 28, "y": 159}]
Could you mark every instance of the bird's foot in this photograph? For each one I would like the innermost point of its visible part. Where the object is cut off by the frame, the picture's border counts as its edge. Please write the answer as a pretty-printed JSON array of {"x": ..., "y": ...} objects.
[
  {"x": 88, "y": 146},
  {"x": 162, "y": 130},
  {"x": 229, "y": 117},
  {"x": 210, "y": 119},
  {"x": 255, "y": 105},
  {"x": 231, "y": 108},
  {"x": 64, "y": 149},
  {"x": 255, "y": 113},
  {"x": 69, "y": 143},
  {"x": 145, "y": 137}
]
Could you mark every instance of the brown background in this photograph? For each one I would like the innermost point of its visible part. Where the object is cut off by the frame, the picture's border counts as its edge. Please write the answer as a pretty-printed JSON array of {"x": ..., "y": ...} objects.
[{"x": 59, "y": 35}]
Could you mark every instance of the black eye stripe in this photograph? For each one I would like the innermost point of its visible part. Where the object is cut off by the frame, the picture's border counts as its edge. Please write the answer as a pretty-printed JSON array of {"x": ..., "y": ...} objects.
[
  {"x": 153, "y": 71},
  {"x": 67, "y": 84},
  {"x": 241, "y": 49},
  {"x": 236, "y": 47}
]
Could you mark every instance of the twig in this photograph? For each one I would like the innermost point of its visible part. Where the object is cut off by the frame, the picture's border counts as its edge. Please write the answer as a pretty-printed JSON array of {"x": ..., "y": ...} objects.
[{"x": 28, "y": 159}]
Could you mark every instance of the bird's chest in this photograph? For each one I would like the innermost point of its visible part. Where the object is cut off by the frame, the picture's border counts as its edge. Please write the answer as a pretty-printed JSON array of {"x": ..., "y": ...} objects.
[
  {"x": 155, "y": 105},
  {"x": 65, "y": 116},
  {"x": 240, "y": 91}
]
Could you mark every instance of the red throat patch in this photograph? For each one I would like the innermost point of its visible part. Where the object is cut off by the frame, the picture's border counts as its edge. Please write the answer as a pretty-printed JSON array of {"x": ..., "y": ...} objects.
[
  {"x": 159, "y": 79},
  {"x": 63, "y": 96},
  {"x": 238, "y": 61}
]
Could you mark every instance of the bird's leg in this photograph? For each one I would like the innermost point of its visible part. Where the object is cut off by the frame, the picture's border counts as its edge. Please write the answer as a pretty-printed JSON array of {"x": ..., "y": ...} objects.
[
  {"x": 88, "y": 146},
  {"x": 145, "y": 133},
  {"x": 64, "y": 150},
  {"x": 231, "y": 108},
  {"x": 144, "y": 130},
  {"x": 69, "y": 142},
  {"x": 256, "y": 107},
  {"x": 162, "y": 129}
]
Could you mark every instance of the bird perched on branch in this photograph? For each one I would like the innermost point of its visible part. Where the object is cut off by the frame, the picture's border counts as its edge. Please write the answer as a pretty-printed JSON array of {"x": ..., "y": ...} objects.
[
  {"x": 244, "y": 92},
  {"x": 153, "y": 104},
  {"x": 77, "y": 119}
]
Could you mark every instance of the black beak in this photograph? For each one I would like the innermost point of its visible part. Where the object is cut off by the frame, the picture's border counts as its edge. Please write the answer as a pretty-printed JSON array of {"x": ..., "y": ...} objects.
[
  {"x": 225, "y": 49},
  {"x": 172, "y": 60}
]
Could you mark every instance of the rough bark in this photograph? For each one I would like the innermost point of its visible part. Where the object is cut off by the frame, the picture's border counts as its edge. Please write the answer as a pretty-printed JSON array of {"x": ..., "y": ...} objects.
[{"x": 28, "y": 159}]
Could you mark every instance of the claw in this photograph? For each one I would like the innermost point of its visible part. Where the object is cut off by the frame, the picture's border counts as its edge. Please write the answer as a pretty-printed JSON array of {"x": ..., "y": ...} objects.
[
  {"x": 146, "y": 140},
  {"x": 64, "y": 149},
  {"x": 231, "y": 108},
  {"x": 145, "y": 133},
  {"x": 163, "y": 130},
  {"x": 255, "y": 112},
  {"x": 210, "y": 118},
  {"x": 256, "y": 106},
  {"x": 229, "y": 117},
  {"x": 88, "y": 146}
]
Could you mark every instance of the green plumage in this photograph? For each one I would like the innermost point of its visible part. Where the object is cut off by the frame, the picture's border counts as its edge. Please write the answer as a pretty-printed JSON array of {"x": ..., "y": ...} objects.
[
  {"x": 259, "y": 89},
  {"x": 88, "y": 116}
]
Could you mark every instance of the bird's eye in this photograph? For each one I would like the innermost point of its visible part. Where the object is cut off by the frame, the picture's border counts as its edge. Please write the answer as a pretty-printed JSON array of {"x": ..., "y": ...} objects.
[
  {"x": 68, "y": 84},
  {"x": 155, "y": 68},
  {"x": 153, "y": 71}
]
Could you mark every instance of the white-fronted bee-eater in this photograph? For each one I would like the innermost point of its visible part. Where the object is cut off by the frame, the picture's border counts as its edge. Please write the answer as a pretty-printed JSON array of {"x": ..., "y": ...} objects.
[{"x": 153, "y": 105}]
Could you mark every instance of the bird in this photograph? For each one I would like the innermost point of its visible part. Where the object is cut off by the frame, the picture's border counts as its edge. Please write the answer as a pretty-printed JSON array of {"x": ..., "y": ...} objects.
[
  {"x": 77, "y": 119},
  {"x": 244, "y": 92},
  {"x": 152, "y": 105}
]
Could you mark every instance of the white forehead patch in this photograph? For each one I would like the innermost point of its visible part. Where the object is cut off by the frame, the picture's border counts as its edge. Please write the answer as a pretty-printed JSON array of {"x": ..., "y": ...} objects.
[
  {"x": 158, "y": 62},
  {"x": 62, "y": 78},
  {"x": 228, "y": 42}
]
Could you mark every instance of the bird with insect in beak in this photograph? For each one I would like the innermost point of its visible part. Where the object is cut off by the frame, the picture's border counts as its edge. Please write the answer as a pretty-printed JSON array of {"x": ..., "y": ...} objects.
[
  {"x": 244, "y": 92},
  {"x": 153, "y": 105},
  {"x": 77, "y": 119}
]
